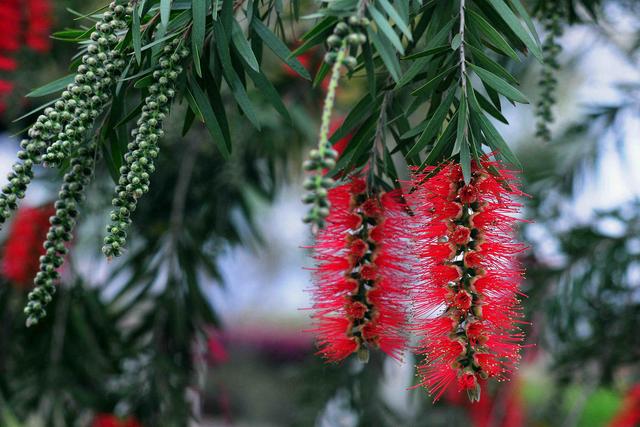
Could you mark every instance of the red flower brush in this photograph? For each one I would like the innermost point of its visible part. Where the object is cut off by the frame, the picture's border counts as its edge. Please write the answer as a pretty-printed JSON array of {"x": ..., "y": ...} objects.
[
  {"x": 629, "y": 414},
  {"x": 360, "y": 281},
  {"x": 23, "y": 247},
  {"x": 466, "y": 296},
  {"x": 109, "y": 420},
  {"x": 38, "y": 22}
]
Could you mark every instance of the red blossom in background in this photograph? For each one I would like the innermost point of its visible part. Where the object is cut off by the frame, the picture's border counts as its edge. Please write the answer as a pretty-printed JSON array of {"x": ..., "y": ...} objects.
[
  {"x": 466, "y": 296},
  {"x": 38, "y": 20},
  {"x": 110, "y": 420},
  {"x": 629, "y": 413},
  {"x": 360, "y": 278},
  {"x": 24, "y": 23},
  {"x": 23, "y": 248}
]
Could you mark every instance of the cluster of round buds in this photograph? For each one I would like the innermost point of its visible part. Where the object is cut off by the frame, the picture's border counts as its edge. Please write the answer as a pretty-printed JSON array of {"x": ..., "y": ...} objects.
[
  {"x": 83, "y": 100},
  {"x": 324, "y": 157},
  {"x": 138, "y": 167},
  {"x": 62, "y": 224},
  {"x": 318, "y": 185},
  {"x": 68, "y": 119},
  {"x": 345, "y": 35},
  {"x": 551, "y": 17}
]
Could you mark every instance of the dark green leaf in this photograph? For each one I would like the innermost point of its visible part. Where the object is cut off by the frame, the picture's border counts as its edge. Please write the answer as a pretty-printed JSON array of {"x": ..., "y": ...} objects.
[
  {"x": 393, "y": 14},
  {"x": 512, "y": 21},
  {"x": 54, "y": 86},
  {"x": 387, "y": 54},
  {"x": 492, "y": 34},
  {"x": 386, "y": 29},
  {"x": 135, "y": 35},
  {"x": 500, "y": 85},
  {"x": 165, "y": 10},
  {"x": 434, "y": 125},
  {"x": 206, "y": 112},
  {"x": 199, "y": 13},
  {"x": 243, "y": 47},
  {"x": 279, "y": 48}
]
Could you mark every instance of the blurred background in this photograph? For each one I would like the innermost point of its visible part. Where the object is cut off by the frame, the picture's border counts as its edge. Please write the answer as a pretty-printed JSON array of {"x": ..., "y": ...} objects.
[{"x": 205, "y": 315}]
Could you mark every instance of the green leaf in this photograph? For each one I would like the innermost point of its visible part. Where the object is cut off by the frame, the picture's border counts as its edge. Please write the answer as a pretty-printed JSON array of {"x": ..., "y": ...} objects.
[
  {"x": 268, "y": 91},
  {"x": 488, "y": 106},
  {"x": 362, "y": 109},
  {"x": 482, "y": 60},
  {"x": 369, "y": 66},
  {"x": 514, "y": 23},
  {"x": 278, "y": 47},
  {"x": 386, "y": 29},
  {"x": 52, "y": 87},
  {"x": 135, "y": 35},
  {"x": 386, "y": 53},
  {"x": 393, "y": 14},
  {"x": 441, "y": 143},
  {"x": 230, "y": 75},
  {"x": 206, "y": 113},
  {"x": 494, "y": 139},
  {"x": 456, "y": 42},
  {"x": 165, "y": 11},
  {"x": 436, "y": 80},
  {"x": 527, "y": 18},
  {"x": 427, "y": 52},
  {"x": 462, "y": 140},
  {"x": 199, "y": 13},
  {"x": 316, "y": 35},
  {"x": 72, "y": 35},
  {"x": 500, "y": 85},
  {"x": 434, "y": 124},
  {"x": 243, "y": 47},
  {"x": 492, "y": 34}
]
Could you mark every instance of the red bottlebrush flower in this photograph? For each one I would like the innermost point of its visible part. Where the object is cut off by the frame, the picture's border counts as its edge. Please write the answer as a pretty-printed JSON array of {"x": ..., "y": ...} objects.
[
  {"x": 10, "y": 16},
  {"x": 23, "y": 248},
  {"x": 38, "y": 22},
  {"x": 7, "y": 64},
  {"x": 360, "y": 281},
  {"x": 110, "y": 420},
  {"x": 466, "y": 296},
  {"x": 629, "y": 413}
]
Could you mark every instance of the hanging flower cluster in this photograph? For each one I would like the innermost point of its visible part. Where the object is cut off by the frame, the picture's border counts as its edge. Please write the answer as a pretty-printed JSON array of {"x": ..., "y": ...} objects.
[
  {"x": 455, "y": 255},
  {"x": 466, "y": 295},
  {"x": 24, "y": 244},
  {"x": 360, "y": 292},
  {"x": 136, "y": 172}
]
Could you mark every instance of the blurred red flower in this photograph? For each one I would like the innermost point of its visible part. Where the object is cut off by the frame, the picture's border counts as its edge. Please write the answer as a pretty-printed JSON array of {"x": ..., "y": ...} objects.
[
  {"x": 110, "y": 420},
  {"x": 23, "y": 248},
  {"x": 629, "y": 413}
]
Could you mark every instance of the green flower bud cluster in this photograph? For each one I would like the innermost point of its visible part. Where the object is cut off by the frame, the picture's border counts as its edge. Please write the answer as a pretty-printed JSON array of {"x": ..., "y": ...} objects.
[
  {"x": 66, "y": 119},
  {"x": 138, "y": 167},
  {"x": 345, "y": 37},
  {"x": 351, "y": 34},
  {"x": 91, "y": 89},
  {"x": 552, "y": 16},
  {"x": 62, "y": 224}
]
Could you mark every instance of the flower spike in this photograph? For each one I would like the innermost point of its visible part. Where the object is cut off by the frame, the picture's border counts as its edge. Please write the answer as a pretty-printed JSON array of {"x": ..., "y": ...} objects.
[
  {"x": 466, "y": 297},
  {"x": 360, "y": 279}
]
